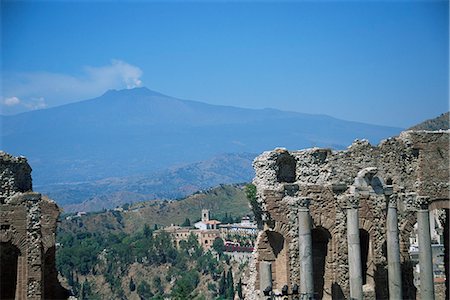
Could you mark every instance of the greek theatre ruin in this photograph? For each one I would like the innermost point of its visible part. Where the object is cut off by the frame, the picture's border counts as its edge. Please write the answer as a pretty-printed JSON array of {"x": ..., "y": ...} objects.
[
  {"x": 27, "y": 236},
  {"x": 337, "y": 224}
]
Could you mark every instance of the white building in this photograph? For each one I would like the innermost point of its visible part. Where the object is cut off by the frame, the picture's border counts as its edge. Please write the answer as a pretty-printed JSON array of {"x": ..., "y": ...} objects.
[{"x": 206, "y": 223}]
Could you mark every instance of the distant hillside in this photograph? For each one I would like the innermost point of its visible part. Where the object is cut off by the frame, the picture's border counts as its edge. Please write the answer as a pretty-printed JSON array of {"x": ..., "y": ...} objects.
[
  {"x": 224, "y": 199},
  {"x": 173, "y": 183},
  {"x": 439, "y": 123},
  {"x": 138, "y": 132},
  {"x": 114, "y": 255}
]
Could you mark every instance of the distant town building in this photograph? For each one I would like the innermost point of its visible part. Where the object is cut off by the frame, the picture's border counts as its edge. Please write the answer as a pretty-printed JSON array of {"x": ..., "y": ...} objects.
[
  {"x": 206, "y": 223},
  {"x": 437, "y": 249},
  {"x": 245, "y": 227},
  {"x": 208, "y": 230},
  {"x": 204, "y": 237}
]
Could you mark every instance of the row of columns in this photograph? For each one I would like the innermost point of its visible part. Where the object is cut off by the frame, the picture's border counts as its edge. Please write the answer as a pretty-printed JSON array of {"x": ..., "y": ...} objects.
[
  {"x": 354, "y": 250},
  {"x": 393, "y": 248}
]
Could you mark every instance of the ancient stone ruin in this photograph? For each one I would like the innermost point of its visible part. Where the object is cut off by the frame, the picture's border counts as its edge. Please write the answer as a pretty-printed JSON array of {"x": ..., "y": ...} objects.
[
  {"x": 337, "y": 223},
  {"x": 27, "y": 236}
]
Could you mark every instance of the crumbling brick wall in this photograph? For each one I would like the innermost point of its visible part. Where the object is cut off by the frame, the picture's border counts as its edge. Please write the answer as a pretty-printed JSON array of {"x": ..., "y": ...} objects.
[
  {"x": 27, "y": 235},
  {"x": 414, "y": 163}
]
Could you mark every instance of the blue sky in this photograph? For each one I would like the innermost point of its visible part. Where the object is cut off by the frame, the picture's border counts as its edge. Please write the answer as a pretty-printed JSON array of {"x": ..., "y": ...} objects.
[{"x": 381, "y": 62}]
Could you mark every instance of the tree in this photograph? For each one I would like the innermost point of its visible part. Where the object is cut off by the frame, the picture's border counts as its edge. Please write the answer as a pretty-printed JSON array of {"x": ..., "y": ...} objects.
[
  {"x": 186, "y": 223},
  {"x": 230, "y": 285},
  {"x": 144, "y": 290},
  {"x": 219, "y": 246},
  {"x": 132, "y": 285},
  {"x": 239, "y": 289},
  {"x": 147, "y": 231},
  {"x": 185, "y": 286},
  {"x": 157, "y": 284},
  {"x": 250, "y": 192},
  {"x": 222, "y": 285}
]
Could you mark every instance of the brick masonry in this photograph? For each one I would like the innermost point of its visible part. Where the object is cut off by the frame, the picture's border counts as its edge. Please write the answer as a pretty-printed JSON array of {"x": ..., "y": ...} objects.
[
  {"x": 414, "y": 163},
  {"x": 27, "y": 235}
]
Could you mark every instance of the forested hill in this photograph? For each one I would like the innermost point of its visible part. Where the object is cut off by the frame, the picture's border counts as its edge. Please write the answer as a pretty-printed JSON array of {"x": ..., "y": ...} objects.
[
  {"x": 117, "y": 254},
  {"x": 222, "y": 201}
]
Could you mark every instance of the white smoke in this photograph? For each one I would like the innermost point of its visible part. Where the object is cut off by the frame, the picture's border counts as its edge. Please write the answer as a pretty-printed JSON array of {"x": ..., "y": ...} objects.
[
  {"x": 11, "y": 101},
  {"x": 34, "y": 90}
]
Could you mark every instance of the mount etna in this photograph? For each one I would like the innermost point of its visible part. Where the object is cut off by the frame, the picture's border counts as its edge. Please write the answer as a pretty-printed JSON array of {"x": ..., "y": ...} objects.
[{"x": 139, "y": 143}]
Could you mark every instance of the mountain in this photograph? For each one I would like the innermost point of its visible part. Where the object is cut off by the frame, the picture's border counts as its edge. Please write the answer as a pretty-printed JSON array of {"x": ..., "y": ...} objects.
[
  {"x": 172, "y": 183},
  {"x": 138, "y": 131},
  {"x": 441, "y": 122}
]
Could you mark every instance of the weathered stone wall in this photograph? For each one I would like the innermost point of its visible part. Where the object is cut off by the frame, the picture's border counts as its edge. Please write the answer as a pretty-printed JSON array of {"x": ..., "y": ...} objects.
[
  {"x": 415, "y": 163},
  {"x": 15, "y": 175},
  {"x": 28, "y": 224}
]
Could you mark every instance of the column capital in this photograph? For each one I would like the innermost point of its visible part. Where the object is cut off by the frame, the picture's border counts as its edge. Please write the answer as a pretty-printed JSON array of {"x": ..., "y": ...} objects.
[
  {"x": 388, "y": 190},
  {"x": 392, "y": 201},
  {"x": 352, "y": 201},
  {"x": 421, "y": 202},
  {"x": 304, "y": 202}
]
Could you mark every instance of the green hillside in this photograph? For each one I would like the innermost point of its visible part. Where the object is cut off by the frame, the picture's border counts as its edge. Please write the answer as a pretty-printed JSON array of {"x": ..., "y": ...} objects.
[
  {"x": 224, "y": 200},
  {"x": 116, "y": 255}
]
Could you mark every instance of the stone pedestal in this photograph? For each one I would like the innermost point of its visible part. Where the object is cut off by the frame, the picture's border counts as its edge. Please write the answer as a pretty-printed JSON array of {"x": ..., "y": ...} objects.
[
  {"x": 305, "y": 250},
  {"x": 354, "y": 249},
  {"x": 393, "y": 251},
  {"x": 425, "y": 256}
]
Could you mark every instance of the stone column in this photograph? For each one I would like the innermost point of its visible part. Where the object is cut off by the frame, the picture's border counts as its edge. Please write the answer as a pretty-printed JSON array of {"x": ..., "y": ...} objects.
[
  {"x": 34, "y": 255},
  {"x": 393, "y": 251},
  {"x": 305, "y": 249},
  {"x": 265, "y": 277},
  {"x": 354, "y": 248},
  {"x": 425, "y": 256}
]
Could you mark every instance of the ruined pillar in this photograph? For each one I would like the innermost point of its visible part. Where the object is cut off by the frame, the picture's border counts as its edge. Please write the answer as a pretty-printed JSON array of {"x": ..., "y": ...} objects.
[
  {"x": 425, "y": 255},
  {"x": 354, "y": 248},
  {"x": 393, "y": 250},
  {"x": 305, "y": 249},
  {"x": 265, "y": 277}
]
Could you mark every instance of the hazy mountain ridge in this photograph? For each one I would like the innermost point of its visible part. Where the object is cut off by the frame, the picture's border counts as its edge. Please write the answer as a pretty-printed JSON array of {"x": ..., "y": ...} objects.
[
  {"x": 173, "y": 183},
  {"x": 126, "y": 143}
]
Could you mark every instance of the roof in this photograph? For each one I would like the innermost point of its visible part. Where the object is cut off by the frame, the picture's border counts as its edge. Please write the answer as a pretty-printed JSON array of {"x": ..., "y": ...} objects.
[{"x": 212, "y": 222}]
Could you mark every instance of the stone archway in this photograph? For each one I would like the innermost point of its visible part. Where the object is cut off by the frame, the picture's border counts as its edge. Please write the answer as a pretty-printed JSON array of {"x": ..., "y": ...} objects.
[
  {"x": 280, "y": 264},
  {"x": 8, "y": 270},
  {"x": 364, "y": 238},
  {"x": 320, "y": 239},
  {"x": 274, "y": 249}
]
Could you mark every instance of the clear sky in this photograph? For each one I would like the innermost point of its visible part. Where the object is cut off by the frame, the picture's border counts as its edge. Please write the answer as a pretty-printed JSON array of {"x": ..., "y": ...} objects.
[{"x": 381, "y": 62}]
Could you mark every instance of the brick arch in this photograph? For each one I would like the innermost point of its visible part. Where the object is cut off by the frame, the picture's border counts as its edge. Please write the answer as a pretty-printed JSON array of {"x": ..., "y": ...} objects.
[
  {"x": 323, "y": 220},
  {"x": 274, "y": 247},
  {"x": 18, "y": 240},
  {"x": 374, "y": 258},
  {"x": 8, "y": 270},
  {"x": 406, "y": 228},
  {"x": 321, "y": 252},
  {"x": 439, "y": 204},
  {"x": 281, "y": 228}
]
